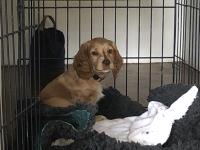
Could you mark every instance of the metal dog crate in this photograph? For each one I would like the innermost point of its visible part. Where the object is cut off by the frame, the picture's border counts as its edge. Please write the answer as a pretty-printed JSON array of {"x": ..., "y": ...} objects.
[{"x": 158, "y": 39}]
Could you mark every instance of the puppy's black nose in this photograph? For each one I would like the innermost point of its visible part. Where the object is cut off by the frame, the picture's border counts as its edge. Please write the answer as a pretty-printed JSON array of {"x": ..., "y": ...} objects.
[{"x": 106, "y": 62}]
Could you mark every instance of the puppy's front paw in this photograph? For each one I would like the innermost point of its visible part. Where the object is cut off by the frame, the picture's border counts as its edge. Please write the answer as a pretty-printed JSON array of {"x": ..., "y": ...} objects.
[
  {"x": 100, "y": 118},
  {"x": 62, "y": 142}
]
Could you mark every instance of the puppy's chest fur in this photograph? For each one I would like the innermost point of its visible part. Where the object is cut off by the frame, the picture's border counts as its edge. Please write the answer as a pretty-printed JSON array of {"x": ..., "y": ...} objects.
[
  {"x": 83, "y": 90},
  {"x": 70, "y": 87}
]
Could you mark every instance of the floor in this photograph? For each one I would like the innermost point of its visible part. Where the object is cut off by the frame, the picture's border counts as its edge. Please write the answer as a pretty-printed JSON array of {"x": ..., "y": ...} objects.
[
  {"x": 136, "y": 85},
  {"x": 133, "y": 80}
]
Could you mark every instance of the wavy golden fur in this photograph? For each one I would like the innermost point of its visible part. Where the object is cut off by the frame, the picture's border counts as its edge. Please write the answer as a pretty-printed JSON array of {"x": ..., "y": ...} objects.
[{"x": 78, "y": 85}]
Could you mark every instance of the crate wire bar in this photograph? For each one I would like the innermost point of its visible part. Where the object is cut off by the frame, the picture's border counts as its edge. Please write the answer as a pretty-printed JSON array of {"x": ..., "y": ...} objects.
[{"x": 159, "y": 41}]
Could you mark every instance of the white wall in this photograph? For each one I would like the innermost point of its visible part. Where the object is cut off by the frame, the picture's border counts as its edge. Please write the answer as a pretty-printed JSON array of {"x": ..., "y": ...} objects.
[
  {"x": 10, "y": 25},
  {"x": 133, "y": 21},
  {"x": 97, "y": 26},
  {"x": 187, "y": 35},
  {"x": 85, "y": 32}
]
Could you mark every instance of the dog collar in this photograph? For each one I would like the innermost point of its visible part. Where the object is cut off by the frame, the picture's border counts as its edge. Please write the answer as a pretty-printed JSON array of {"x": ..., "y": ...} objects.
[{"x": 97, "y": 77}]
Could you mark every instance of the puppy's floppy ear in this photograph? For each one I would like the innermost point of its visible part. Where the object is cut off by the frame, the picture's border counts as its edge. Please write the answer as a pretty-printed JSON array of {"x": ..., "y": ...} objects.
[
  {"x": 118, "y": 61},
  {"x": 82, "y": 62}
]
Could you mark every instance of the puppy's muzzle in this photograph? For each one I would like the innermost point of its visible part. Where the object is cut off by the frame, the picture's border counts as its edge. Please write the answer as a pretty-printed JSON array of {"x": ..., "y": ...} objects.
[{"x": 106, "y": 62}]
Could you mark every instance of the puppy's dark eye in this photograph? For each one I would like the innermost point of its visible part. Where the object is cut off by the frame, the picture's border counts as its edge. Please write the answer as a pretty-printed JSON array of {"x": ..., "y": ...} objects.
[
  {"x": 110, "y": 51},
  {"x": 94, "y": 53}
]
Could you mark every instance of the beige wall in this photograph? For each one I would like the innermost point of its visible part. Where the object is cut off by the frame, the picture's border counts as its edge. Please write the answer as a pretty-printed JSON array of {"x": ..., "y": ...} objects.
[
  {"x": 188, "y": 35},
  {"x": 97, "y": 26},
  {"x": 10, "y": 25},
  {"x": 109, "y": 25}
]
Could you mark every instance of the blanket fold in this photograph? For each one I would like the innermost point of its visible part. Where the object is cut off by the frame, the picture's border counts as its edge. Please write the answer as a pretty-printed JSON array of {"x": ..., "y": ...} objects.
[
  {"x": 185, "y": 133},
  {"x": 152, "y": 127}
]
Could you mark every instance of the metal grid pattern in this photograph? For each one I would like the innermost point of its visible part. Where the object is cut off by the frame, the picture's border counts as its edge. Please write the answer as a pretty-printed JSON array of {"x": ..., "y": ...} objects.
[
  {"x": 101, "y": 9},
  {"x": 20, "y": 118},
  {"x": 187, "y": 45}
]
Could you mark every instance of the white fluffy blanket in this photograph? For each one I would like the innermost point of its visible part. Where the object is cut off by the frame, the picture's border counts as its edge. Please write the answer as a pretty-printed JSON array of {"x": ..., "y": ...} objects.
[{"x": 153, "y": 126}]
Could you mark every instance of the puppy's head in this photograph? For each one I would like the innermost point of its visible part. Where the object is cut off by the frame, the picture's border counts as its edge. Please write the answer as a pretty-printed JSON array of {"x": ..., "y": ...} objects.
[{"x": 97, "y": 56}]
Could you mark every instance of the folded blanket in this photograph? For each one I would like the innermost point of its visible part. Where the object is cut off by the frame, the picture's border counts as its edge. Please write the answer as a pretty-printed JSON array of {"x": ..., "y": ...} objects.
[
  {"x": 185, "y": 133},
  {"x": 153, "y": 126}
]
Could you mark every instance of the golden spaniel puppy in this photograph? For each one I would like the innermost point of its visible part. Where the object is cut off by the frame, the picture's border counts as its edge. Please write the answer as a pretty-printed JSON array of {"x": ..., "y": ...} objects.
[{"x": 81, "y": 82}]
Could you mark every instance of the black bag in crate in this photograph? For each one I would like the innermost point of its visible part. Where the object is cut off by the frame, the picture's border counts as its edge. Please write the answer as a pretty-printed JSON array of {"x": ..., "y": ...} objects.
[{"x": 47, "y": 55}]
